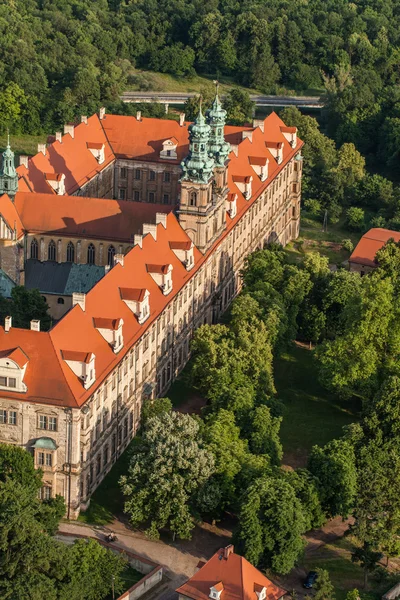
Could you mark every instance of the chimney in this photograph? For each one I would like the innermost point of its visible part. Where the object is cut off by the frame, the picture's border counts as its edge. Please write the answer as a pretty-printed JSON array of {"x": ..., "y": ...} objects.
[
  {"x": 58, "y": 136},
  {"x": 247, "y": 134},
  {"x": 23, "y": 160},
  {"x": 137, "y": 240},
  {"x": 258, "y": 123},
  {"x": 182, "y": 119},
  {"x": 102, "y": 113},
  {"x": 84, "y": 119},
  {"x": 228, "y": 550},
  {"x": 7, "y": 324},
  {"x": 150, "y": 228},
  {"x": 68, "y": 128},
  {"x": 35, "y": 325},
  {"x": 106, "y": 269},
  {"x": 41, "y": 148},
  {"x": 138, "y": 116},
  {"x": 119, "y": 258},
  {"x": 161, "y": 218},
  {"x": 79, "y": 298}
]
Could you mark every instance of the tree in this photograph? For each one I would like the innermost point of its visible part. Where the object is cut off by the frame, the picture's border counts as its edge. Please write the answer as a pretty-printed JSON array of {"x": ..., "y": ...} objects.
[
  {"x": 353, "y": 595},
  {"x": 155, "y": 408},
  {"x": 192, "y": 104},
  {"x": 355, "y": 218},
  {"x": 24, "y": 306},
  {"x": 368, "y": 560},
  {"x": 17, "y": 464},
  {"x": 239, "y": 107},
  {"x": 167, "y": 468},
  {"x": 334, "y": 467},
  {"x": 264, "y": 434},
  {"x": 271, "y": 525},
  {"x": 306, "y": 488},
  {"x": 323, "y": 586}
]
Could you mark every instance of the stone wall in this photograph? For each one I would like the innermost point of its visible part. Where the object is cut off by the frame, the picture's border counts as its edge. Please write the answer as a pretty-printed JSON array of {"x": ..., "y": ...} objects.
[
  {"x": 101, "y": 186},
  {"x": 133, "y": 177}
]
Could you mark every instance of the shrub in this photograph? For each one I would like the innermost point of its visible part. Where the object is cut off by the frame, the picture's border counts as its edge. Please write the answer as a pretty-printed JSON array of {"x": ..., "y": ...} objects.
[
  {"x": 355, "y": 218},
  {"x": 313, "y": 207},
  {"x": 347, "y": 245}
]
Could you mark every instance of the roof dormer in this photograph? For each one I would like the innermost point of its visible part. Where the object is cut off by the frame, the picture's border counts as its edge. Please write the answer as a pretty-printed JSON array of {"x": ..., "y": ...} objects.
[
  {"x": 162, "y": 275},
  {"x": 290, "y": 134},
  {"x": 98, "y": 151},
  {"x": 260, "y": 165},
  {"x": 243, "y": 182},
  {"x": 231, "y": 205},
  {"x": 137, "y": 300},
  {"x": 276, "y": 149},
  {"x": 261, "y": 591},
  {"x": 169, "y": 149},
  {"x": 184, "y": 252},
  {"x": 13, "y": 363},
  {"x": 111, "y": 330},
  {"x": 82, "y": 364},
  {"x": 216, "y": 591},
  {"x": 56, "y": 181}
]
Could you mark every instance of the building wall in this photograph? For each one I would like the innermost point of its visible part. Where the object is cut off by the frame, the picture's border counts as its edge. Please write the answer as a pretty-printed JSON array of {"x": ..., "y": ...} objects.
[
  {"x": 11, "y": 259},
  {"x": 101, "y": 186},
  {"x": 362, "y": 269},
  {"x": 91, "y": 439},
  {"x": 133, "y": 181},
  {"x": 58, "y": 304}
]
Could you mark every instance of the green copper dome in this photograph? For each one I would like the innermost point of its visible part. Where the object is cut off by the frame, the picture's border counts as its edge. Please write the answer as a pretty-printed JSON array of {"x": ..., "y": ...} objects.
[
  {"x": 216, "y": 118},
  {"x": 8, "y": 174},
  {"x": 198, "y": 166}
]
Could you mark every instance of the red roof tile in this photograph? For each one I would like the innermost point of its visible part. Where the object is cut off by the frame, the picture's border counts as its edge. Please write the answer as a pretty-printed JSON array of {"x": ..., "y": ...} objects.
[
  {"x": 286, "y": 129},
  {"x": 234, "y": 576},
  {"x": 372, "y": 241},
  {"x": 181, "y": 245},
  {"x": 102, "y": 323},
  {"x": 15, "y": 354},
  {"x": 162, "y": 269},
  {"x": 260, "y": 161},
  {"x": 10, "y": 215},
  {"x": 74, "y": 355},
  {"x": 53, "y": 176},
  {"x": 136, "y": 295}
]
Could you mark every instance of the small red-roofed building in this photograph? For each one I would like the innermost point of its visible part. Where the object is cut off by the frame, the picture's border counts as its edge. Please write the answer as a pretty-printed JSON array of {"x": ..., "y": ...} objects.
[
  {"x": 229, "y": 576},
  {"x": 363, "y": 257}
]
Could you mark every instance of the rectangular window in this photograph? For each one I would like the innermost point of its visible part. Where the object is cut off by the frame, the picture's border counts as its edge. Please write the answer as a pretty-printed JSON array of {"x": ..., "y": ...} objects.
[
  {"x": 166, "y": 198},
  {"x": 3, "y": 417},
  {"x": 42, "y": 422},
  {"x": 152, "y": 175},
  {"x": 3, "y": 381},
  {"x": 48, "y": 459},
  {"x": 12, "y": 382},
  {"x": 45, "y": 493},
  {"x": 136, "y": 196},
  {"x": 52, "y": 423},
  {"x": 122, "y": 193},
  {"x": 167, "y": 176},
  {"x": 40, "y": 458},
  {"x": 124, "y": 172},
  {"x": 12, "y": 417},
  {"x": 151, "y": 197},
  {"x": 137, "y": 174}
]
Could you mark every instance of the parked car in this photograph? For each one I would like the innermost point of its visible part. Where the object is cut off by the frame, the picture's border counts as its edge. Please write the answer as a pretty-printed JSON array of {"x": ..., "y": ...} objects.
[{"x": 310, "y": 579}]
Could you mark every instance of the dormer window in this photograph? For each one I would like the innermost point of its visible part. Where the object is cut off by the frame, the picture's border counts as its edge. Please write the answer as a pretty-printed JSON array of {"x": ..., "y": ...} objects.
[
  {"x": 111, "y": 330},
  {"x": 57, "y": 182},
  {"x": 82, "y": 364},
  {"x": 231, "y": 205},
  {"x": 244, "y": 184},
  {"x": 184, "y": 251},
  {"x": 290, "y": 134},
  {"x": 13, "y": 365},
  {"x": 98, "y": 151},
  {"x": 276, "y": 149},
  {"x": 260, "y": 165},
  {"x": 261, "y": 591},
  {"x": 162, "y": 275},
  {"x": 137, "y": 300},
  {"x": 169, "y": 149},
  {"x": 216, "y": 591}
]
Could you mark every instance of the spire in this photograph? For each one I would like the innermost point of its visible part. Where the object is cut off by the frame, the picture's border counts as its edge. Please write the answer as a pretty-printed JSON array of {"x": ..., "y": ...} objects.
[
  {"x": 8, "y": 174},
  {"x": 216, "y": 118},
  {"x": 198, "y": 166}
]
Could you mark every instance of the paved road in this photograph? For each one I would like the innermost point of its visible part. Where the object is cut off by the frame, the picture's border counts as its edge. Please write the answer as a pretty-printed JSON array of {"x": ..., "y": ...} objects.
[{"x": 180, "y": 98}]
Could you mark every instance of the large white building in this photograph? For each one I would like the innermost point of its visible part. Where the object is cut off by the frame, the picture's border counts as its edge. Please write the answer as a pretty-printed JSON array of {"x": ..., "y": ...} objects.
[{"x": 72, "y": 396}]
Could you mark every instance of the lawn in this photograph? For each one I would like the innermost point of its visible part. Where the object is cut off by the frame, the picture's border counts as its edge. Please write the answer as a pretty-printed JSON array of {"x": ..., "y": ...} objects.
[
  {"x": 328, "y": 243},
  {"x": 129, "y": 577},
  {"x": 22, "y": 144},
  {"x": 312, "y": 415}
]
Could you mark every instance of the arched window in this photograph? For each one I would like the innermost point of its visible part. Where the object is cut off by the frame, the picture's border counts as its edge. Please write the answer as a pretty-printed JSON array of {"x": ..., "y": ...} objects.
[
  {"x": 60, "y": 301},
  {"x": 34, "y": 248},
  {"x": 51, "y": 252},
  {"x": 91, "y": 254},
  {"x": 193, "y": 199},
  {"x": 70, "y": 252},
  {"x": 110, "y": 255}
]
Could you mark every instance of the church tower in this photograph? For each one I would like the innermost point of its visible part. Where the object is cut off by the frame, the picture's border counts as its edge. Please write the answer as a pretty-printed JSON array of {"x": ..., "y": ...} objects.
[
  {"x": 8, "y": 174},
  {"x": 201, "y": 208}
]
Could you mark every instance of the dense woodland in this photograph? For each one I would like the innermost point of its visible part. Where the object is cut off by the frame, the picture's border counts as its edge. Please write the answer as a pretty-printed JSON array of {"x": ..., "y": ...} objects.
[{"x": 63, "y": 58}]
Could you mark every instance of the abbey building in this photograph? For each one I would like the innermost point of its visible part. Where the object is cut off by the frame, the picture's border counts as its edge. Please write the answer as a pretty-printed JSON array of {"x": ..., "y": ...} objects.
[{"x": 166, "y": 212}]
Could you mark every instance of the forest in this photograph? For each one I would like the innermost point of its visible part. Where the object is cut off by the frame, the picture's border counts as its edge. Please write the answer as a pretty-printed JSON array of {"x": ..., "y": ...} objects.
[{"x": 63, "y": 58}]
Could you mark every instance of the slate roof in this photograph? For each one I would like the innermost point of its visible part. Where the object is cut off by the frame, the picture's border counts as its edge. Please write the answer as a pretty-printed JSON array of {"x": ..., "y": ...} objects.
[
  {"x": 61, "y": 278},
  {"x": 6, "y": 284}
]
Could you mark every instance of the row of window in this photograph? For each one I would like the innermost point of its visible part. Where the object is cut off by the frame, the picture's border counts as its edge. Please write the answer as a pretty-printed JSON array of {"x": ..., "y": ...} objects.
[
  {"x": 152, "y": 174},
  {"x": 9, "y": 417},
  {"x": 52, "y": 252},
  {"x": 151, "y": 196}
]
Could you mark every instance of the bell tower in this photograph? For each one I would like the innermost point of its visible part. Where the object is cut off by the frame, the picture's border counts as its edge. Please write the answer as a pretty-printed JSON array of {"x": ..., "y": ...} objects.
[
  {"x": 201, "y": 209},
  {"x": 8, "y": 174}
]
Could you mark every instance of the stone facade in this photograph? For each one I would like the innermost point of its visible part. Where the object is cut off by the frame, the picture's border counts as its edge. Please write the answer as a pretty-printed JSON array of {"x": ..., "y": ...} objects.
[
  {"x": 141, "y": 181},
  {"x": 100, "y": 186}
]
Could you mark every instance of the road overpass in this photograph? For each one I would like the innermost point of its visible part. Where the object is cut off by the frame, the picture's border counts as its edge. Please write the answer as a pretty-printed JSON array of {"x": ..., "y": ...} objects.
[{"x": 180, "y": 98}]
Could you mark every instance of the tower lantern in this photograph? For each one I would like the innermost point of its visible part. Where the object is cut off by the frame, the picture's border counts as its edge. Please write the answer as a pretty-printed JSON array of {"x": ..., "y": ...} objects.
[{"x": 8, "y": 174}]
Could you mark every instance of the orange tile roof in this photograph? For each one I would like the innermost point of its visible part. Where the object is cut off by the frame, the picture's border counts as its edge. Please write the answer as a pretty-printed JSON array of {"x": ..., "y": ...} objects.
[
  {"x": 79, "y": 216},
  {"x": 234, "y": 575},
  {"x": 71, "y": 157},
  {"x": 53, "y": 176},
  {"x": 286, "y": 129},
  {"x": 258, "y": 160},
  {"x": 158, "y": 268},
  {"x": 60, "y": 386},
  {"x": 372, "y": 241},
  {"x": 15, "y": 354},
  {"x": 144, "y": 139},
  {"x": 77, "y": 356},
  {"x": 181, "y": 245},
  {"x": 9, "y": 213},
  {"x": 102, "y": 323}
]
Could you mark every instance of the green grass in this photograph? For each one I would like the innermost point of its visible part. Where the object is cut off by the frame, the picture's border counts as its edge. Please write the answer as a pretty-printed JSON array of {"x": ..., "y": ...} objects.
[
  {"x": 129, "y": 577},
  {"x": 22, "y": 144},
  {"x": 312, "y": 415},
  {"x": 107, "y": 501},
  {"x": 328, "y": 243}
]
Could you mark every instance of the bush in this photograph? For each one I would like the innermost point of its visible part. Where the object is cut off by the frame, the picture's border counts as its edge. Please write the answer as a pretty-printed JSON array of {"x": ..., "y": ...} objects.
[
  {"x": 313, "y": 207},
  {"x": 355, "y": 218},
  {"x": 378, "y": 221},
  {"x": 347, "y": 245}
]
